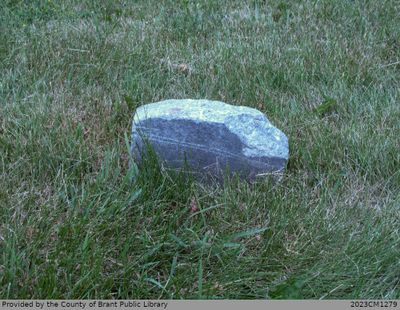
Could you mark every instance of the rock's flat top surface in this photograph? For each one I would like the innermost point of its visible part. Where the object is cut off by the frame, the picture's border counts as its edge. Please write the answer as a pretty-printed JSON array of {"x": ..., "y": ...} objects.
[{"x": 211, "y": 134}]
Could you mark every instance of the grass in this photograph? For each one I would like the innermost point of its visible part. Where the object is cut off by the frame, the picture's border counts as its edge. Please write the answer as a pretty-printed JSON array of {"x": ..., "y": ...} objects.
[{"x": 77, "y": 222}]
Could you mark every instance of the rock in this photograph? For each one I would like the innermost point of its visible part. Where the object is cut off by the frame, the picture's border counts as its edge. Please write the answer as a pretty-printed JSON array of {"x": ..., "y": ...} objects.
[{"x": 212, "y": 137}]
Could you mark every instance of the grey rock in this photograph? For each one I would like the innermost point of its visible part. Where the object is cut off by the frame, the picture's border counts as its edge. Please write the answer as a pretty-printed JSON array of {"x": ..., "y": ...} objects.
[{"x": 212, "y": 137}]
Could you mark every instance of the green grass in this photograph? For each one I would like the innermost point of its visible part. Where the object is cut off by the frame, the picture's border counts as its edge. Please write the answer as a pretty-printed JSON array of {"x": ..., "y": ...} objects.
[{"x": 77, "y": 222}]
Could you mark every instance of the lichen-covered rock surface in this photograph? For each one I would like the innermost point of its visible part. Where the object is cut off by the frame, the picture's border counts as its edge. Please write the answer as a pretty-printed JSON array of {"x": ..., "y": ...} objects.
[{"x": 212, "y": 137}]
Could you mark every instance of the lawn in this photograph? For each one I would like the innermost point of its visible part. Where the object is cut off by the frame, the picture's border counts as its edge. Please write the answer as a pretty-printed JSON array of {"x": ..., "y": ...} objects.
[{"x": 77, "y": 221}]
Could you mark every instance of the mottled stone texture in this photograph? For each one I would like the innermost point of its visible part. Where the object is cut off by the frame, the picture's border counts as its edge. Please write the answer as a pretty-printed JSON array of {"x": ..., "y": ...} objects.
[{"x": 212, "y": 137}]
